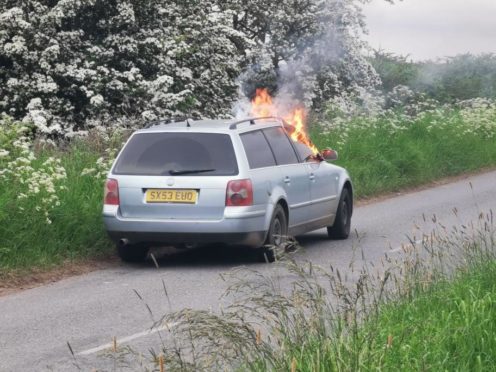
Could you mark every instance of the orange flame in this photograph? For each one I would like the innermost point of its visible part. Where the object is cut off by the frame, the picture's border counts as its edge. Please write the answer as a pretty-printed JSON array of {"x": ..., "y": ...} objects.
[{"x": 262, "y": 106}]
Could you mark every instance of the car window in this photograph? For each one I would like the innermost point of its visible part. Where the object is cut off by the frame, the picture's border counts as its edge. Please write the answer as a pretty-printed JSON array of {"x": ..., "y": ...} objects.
[
  {"x": 305, "y": 152},
  {"x": 257, "y": 150},
  {"x": 171, "y": 153},
  {"x": 282, "y": 148}
]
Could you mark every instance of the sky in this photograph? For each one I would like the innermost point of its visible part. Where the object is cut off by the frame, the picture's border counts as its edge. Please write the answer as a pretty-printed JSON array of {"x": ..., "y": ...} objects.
[{"x": 430, "y": 29}]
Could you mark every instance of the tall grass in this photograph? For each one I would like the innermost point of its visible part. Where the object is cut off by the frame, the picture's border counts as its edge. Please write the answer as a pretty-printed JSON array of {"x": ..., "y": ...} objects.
[
  {"x": 76, "y": 230},
  {"x": 432, "y": 308},
  {"x": 449, "y": 327}
]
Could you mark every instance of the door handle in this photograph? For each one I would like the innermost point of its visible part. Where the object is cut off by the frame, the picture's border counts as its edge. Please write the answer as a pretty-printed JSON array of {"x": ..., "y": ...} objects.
[
  {"x": 312, "y": 177},
  {"x": 287, "y": 179}
]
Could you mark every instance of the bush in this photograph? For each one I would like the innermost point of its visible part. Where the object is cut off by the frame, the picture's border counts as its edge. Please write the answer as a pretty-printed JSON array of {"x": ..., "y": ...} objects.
[{"x": 461, "y": 77}]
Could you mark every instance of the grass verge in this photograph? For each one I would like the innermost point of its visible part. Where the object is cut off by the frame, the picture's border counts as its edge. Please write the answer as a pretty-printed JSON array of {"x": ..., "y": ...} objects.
[
  {"x": 382, "y": 158},
  {"x": 452, "y": 326},
  {"x": 75, "y": 231}
]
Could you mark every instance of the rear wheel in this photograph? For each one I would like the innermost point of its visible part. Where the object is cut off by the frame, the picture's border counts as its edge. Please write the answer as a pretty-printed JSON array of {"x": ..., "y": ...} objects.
[
  {"x": 132, "y": 252},
  {"x": 277, "y": 234},
  {"x": 342, "y": 223}
]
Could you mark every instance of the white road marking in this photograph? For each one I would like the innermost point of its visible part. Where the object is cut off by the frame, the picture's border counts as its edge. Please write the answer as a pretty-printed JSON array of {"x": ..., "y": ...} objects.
[{"x": 123, "y": 340}]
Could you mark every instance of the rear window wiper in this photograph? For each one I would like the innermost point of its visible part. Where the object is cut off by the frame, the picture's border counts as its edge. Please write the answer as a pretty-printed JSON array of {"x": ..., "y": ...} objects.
[{"x": 175, "y": 172}]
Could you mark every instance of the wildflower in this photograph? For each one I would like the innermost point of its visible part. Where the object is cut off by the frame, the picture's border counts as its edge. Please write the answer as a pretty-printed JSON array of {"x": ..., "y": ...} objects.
[{"x": 88, "y": 171}]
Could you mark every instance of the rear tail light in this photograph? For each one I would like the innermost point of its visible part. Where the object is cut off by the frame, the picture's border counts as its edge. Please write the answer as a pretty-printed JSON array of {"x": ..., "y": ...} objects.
[
  {"x": 111, "y": 192},
  {"x": 239, "y": 193}
]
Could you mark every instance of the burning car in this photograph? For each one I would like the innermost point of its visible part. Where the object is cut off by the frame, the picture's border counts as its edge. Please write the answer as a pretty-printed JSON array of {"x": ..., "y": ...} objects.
[{"x": 249, "y": 182}]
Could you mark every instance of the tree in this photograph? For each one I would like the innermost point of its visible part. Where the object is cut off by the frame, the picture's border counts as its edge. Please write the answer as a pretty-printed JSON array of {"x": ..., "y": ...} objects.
[{"x": 311, "y": 49}]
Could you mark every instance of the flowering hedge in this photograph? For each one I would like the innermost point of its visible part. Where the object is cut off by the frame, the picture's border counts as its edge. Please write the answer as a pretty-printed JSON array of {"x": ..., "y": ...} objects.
[{"x": 70, "y": 65}]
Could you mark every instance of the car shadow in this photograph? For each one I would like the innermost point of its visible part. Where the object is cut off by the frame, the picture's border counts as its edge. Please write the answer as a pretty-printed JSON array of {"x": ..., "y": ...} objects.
[
  {"x": 212, "y": 255},
  {"x": 313, "y": 237},
  {"x": 219, "y": 255}
]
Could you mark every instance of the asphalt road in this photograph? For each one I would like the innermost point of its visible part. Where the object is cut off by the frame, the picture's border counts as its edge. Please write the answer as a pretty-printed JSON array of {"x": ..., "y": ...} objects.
[{"x": 87, "y": 311}]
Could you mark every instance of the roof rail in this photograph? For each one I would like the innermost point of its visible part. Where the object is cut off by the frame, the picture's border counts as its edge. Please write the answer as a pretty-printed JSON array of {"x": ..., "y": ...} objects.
[
  {"x": 252, "y": 121},
  {"x": 175, "y": 119}
]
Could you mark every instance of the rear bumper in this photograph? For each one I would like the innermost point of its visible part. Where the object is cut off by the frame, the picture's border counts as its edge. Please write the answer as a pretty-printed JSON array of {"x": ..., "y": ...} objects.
[
  {"x": 238, "y": 226},
  {"x": 251, "y": 239}
]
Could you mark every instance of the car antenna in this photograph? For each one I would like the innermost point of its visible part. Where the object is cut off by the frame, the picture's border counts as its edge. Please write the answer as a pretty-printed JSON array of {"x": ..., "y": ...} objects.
[{"x": 187, "y": 123}]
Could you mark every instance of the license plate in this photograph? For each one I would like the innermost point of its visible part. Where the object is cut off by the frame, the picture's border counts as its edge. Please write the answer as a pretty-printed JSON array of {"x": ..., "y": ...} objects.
[{"x": 171, "y": 196}]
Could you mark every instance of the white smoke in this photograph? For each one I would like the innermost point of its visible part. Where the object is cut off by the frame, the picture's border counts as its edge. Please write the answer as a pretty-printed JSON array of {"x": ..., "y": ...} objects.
[
  {"x": 321, "y": 67},
  {"x": 297, "y": 79}
]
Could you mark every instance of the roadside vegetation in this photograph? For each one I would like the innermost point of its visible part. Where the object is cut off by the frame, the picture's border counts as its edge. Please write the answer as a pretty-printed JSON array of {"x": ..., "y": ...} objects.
[
  {"x": 50, "y": 198},
  {"x": 51, "y": 192},
  {"x": 450, "y": 326},
  {"x": 432, "y": 307},
  {"x": 447, "y": 80},
  {"x": 79, "y": 74},
  {"x": 411, "y": 144}
]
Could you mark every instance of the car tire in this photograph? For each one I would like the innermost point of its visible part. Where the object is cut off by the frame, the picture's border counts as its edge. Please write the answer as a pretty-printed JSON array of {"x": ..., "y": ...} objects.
[
  {"x": 342, "y": 223},
  {"x": 276, "y": 236},
  {"x": 132, "y": 252}
]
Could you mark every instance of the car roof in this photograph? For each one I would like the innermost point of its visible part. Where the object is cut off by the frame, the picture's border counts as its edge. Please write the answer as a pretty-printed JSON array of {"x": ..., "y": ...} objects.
[{"x": 218, "y": 125}]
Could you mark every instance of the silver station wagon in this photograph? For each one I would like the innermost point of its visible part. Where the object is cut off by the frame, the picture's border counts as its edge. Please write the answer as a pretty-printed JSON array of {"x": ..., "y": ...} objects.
[{"x": 222, "y": 181}]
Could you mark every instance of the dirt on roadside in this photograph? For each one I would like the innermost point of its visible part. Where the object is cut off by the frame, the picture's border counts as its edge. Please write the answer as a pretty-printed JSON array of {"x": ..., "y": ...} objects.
[{"x": 12, "y": 282}]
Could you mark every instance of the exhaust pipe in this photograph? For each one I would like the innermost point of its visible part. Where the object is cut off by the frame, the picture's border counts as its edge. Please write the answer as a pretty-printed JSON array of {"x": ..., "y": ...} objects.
[{"x": 123, "y": 242}]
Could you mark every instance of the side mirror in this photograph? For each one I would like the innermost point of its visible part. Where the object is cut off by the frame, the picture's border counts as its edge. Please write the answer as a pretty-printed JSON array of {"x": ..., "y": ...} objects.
[{"x": 329, "y": 154}]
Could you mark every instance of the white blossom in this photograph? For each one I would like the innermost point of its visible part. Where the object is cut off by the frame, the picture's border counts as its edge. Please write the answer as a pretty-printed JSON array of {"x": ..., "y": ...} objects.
[
  {"x": 97, "y": 100},
  {"x": 34, "y": 183}
]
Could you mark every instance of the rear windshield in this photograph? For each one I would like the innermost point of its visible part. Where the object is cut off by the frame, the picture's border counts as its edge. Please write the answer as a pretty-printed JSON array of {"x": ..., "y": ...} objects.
[{"x": 178, "y": 154}]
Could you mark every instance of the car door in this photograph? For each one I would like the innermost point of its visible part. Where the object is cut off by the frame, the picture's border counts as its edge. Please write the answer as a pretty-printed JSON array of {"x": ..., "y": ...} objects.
[
  {"x": 293, "y": 175},
  {"x": 324, "y": 184}
]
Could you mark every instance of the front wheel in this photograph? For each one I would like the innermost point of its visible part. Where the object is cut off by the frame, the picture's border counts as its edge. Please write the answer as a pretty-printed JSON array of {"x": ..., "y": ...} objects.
[
  {"x": 276, "y": 236},
  {"x": 342, "y": 223}
]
